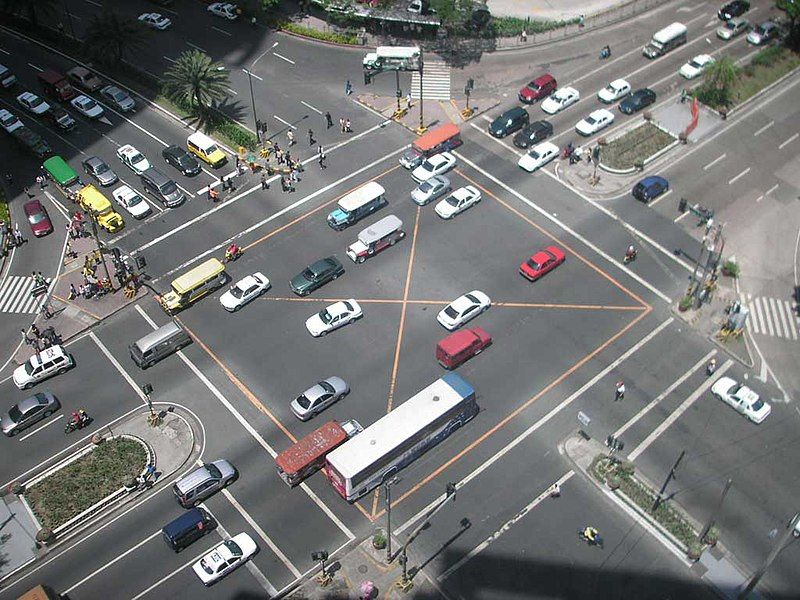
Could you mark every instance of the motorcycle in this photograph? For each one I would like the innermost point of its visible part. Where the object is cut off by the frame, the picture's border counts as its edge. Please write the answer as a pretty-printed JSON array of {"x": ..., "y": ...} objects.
[
  {"x": 605, "y": 53},
  {"x": 629, "y": 257},
  {"x": 231, "y": 256},
  {"x": 78, "y": 420}
]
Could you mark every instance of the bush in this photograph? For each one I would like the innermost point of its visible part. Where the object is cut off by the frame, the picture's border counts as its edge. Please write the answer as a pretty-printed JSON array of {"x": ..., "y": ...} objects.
[
  {"x": 635, "y": 146},
  {"x": 236, "y": 134},
  {"x": 379, "y": 540},
  {"x": 768, "y": 56},
  {"x": 324, "y": 36},
  {"x": 513, "y": 26},
  {"x": 731, "y": 268},
  {"x": 685, "y": 303}
]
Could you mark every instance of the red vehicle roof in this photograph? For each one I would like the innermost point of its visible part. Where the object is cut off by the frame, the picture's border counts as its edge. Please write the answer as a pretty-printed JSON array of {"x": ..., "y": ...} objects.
[
  {"x": 455, "y": 342},
  {"x": 436, "y": 136},
  {"x": 311, "y": 448}
]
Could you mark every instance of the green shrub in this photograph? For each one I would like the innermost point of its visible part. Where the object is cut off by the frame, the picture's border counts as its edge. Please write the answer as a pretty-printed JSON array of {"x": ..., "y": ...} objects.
[
  {"x": 514, "y": 26},
  {"x": 236, "y": 135},
  {"x": 685, "y": 303},
  {"x": 731, "y": 268},
  {"x": 768, "y": 56},
  {"x": 324, "y": 36}
]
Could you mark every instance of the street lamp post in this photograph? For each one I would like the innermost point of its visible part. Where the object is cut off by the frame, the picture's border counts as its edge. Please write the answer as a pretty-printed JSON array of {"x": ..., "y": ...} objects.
[
  {"x": 152, "y": 419},
  {"x": 387, "y": 487},
  {"x": 252, "y": 94}
]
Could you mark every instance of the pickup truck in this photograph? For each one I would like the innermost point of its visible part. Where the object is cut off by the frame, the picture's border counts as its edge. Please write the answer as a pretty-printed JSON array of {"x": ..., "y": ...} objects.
[{"x": 56, "y": 86}]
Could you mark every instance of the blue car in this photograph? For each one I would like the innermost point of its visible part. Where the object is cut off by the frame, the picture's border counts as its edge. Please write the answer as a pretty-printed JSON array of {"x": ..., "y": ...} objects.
[{"x": 650, "y": 188}]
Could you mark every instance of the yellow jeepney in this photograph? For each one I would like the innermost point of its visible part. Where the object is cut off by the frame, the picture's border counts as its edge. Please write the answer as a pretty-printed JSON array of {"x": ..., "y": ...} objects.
[
  {"x": 193, "y": 285},
  {"x": 93, "y": 200}
]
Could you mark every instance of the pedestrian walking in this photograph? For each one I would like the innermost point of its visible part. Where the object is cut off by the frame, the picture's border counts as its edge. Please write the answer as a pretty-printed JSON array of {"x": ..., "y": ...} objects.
[
  {"x": 328, "y": 120},
  {"x": 620, "y": 393},
  {"x": 347, "y": 128},
  {"x": 18, "y": 238},
  {"x": 264, "y": 182},
  {"x": 26, "y": 339},
  {"x": 287, "y": 158},
  {"x": 35, "y": 331},
  {"x": 523, "y": 37},
  {"x": 29, "y": 193},
  {"x": 310, "y": 137},
  {"x": 319, "y": 150},
  {"x": 322, "y": 164},
  {"x": 290, "y": 137},
  {"x": 408, "y": 100},
  {"x": 555, "y": 490},
  {"x": 348, "y": 88},
  {"x": 279, "y": 155},
  {"x": 294, "y": 175},
  {"x": 341, "y": 124},
  {"x": 284, "y": 187},
  {"x": 9, "y": 179},
  {"x": 238, "y": 162},
  {"x": 581, "y": 20},
  {"x": 711, "y": 367},
  {"x": 72, "y": 292},
  {"x": 41, "y": 181}
]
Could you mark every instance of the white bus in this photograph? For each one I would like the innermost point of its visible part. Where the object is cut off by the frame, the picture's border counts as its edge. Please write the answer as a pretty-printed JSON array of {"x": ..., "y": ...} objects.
[
  {"x": 400, "y": 58},
  {"x": 398, "y": 438}
]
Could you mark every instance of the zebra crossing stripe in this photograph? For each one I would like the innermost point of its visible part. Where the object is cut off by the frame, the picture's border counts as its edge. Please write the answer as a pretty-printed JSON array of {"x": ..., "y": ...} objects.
[
  {"x": 774, "y": 317},
  {"x": 15, "y": 295},
  {"x": 10, "y": 291}
]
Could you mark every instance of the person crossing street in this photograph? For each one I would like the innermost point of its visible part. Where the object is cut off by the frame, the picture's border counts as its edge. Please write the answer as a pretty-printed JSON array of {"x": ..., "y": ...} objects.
[{"x": 620, "y": 391}]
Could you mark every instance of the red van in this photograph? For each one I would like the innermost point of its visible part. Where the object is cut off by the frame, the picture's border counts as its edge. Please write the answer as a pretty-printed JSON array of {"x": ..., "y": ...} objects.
[
  {"x": 539, "y": 88},
  {"x": 460, "y": 346}
]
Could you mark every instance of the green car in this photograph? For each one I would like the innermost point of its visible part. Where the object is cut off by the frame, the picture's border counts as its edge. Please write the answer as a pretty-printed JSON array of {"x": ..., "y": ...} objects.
[{"x": 316, "y": 275}]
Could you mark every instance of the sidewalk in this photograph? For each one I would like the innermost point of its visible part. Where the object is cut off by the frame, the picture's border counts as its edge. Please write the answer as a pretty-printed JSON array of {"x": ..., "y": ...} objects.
[{"x": 435, "y": 112}]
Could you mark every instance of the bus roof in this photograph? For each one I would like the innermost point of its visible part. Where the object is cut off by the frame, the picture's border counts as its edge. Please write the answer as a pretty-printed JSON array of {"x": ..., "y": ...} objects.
[
  {"x": 379, "y": 229},
  {"x": 391, "y": 430},
  {"x": 403, "y": 52},
  {"x": 60, "y": 171},
  {"x": 436, "y": 136},
  {"x": 310, "y": 448},
  {"x": 206, "y": 270},
  {"x": 357, "y": 198},
  {"x": 669, "y": 32}
]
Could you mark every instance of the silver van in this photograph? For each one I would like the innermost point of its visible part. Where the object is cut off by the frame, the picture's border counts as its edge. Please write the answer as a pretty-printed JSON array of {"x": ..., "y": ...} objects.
[
  {"x": 203, "y": 482},
  {"x": 161, "y": 343},
  {"x": 162, "y": 187}
]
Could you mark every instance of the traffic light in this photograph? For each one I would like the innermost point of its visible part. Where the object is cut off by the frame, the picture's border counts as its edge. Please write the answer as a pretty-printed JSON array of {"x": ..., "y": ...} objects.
[{"x": 141, "y": 263}]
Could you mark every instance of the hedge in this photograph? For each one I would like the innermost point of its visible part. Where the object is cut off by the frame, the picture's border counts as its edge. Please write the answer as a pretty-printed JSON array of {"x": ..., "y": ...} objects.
[
  {"x": 218, "y": 124},
  {"x": 324, "y": 36},
  {"x": 514, "y": 26}
]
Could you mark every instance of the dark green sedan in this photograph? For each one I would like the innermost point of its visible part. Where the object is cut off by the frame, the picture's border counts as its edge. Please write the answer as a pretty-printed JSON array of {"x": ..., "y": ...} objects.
[{"x": 316, "y": 275}]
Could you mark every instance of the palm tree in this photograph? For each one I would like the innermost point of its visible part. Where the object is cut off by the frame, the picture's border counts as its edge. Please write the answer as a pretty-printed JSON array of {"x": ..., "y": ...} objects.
[
  {"x": 197, "y": 81},
  {"x": 719, "y": 80},
  {"x": 108, "y": 38},
  {"x": 32, "y": 9}
]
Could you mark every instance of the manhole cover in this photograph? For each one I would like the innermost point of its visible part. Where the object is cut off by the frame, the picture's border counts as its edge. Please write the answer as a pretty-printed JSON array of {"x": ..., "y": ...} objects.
[{"x": 363, "y": 569}]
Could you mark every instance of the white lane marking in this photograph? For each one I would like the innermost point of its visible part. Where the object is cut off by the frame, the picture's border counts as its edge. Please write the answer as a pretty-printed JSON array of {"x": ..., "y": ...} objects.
[
  {"x": 660, "y": 198},
  {"x": 577, "y": 235},
  {"x": 713, "y": 162},
  {"x": 288, "y": 60},
  {"x": 680, "y": 216},
  {"x": 251, "y": 74},
  {"x": 35, "y": 67},
  {"x": 767, "y": 318},
  {"x": 99, "y": 570},
  {"x": 95, "y": 3},
  {"x": 233, "y": 91},
  {"x": 169, "y": 576},
  {"x": 119, "y": 368},
  {"x": 521, "y": 437},
  {"x": 635, "y": 418},
  {"x": 764, "y": 128},
  {"x": 789, "y": 141},
  {"x": 6, "y": 52},
  {"x": 169, "y": 59},
  {"x": 780, "y": 324},
  {"x": 261, "y": 533},
  {"x": 675, "y": 415},
  {"x": 221, "y": 31},
  {"x": 196, "y": 47},
  {"x": 772, "y": 189},
  {"x": 277, "y": 118},
  {"x": 739, "y": 176},
  {"x": 505, "y": 527},
  {"x": 316, "y": 110},
  {"x": 249, "y": 428},
  {"x": 38, "y": 429},
  {"x": 255, "y": 188}
]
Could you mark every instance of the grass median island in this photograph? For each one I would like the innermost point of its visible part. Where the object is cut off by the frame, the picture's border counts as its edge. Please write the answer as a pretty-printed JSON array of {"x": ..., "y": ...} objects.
[
  {"x": 85, "y": 482},
  {"x": 635, "y": 146}
]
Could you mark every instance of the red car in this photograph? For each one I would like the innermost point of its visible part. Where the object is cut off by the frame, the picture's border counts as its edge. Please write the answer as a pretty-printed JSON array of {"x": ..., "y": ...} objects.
[
  {"x": 38, "y": 218},
  {"x": 542, "y": 263},
  {"x": 538, "y": 89}
]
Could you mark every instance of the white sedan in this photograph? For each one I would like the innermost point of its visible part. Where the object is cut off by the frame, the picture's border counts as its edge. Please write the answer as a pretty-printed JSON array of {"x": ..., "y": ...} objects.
[
  {"x": 614, "y": 91},
  {"x": 538, "y": 156},
  {"x": 33, "y": 103},
  {"x": 696, "y": 66},
  {"x": 244, "y": 291},
  {"x": 87, "y": 107},
  {"x": 155, "y": 20},
  {"x": 742, "y": 398},
  {"x": 133, "y": 159},
  {"x": 560, "y": 100},
  {"x": 462, "y": 309},
  {"x": 434, "y": 165},
  {"x": 226, "y": 10},
  {"x": 430, "y": 189},
  {"x": 335, "y": 316},
  {"x": 224, "y": 558},
  {"x": 458, "y": 202},
  {"x": 132, "y": 201},
  {"x": 597, "y": 120}
]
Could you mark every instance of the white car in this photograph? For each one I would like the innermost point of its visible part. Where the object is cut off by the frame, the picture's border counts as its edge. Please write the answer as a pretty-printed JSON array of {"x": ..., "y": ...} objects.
[
  {"x": 226, "y": 10},
  {"x": 458, "y": 202},
  {"x": 244, "y": 291},
  {"x": 155, "y": 20},
  {"x": 732, "y": 28},
  {"x": 742, "y": 398},
  {"x": 430, "y": 189},
  {"x": 538, "y": 156},
  {"x": 597, "y": 120},
  {"x": 462, "y": 309},
  {"x": 51, "y": 361},
  {"x": 696, "y": 66},
  {"x": 224, "y": 558},
  {"x": 434, "y": 165},
  {"x": 560, "y": 99},
  {"x": 614, "y": 91},
  {"x": 32, "y": 103},
  {"x": 8, "y": 121},
  {"x": 87, "y": 107},
  {"x": 133, "y": 159},
  {"x": 335, "y": 316},
  {"x": 132, "y": 201}
]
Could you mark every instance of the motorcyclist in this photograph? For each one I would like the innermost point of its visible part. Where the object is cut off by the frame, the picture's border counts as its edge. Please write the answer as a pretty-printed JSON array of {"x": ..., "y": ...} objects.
[
  {"x": 630, "y": 253},
  {"x": 591, "y": 534},
  {"x": 605, "y": 52},
  {"x": 232, "y": 252}
]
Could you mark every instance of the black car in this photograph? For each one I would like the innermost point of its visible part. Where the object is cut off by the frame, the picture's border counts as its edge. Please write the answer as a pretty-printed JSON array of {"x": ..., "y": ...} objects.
[
  {"x": 733, "y": 9},
  {"x": 637, "y": 101},
  {"x": 60, "y": 118},
  {"x": 181, "y": 159},
  {"x": 316, "y": 275},
  {"x": 533, "y": 133},
  {"x": 509, "y": 122}
]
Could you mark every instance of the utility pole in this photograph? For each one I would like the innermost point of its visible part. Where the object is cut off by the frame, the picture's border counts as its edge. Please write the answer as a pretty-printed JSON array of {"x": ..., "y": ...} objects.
[
  {"x": 252, "y": 95},
  {"x": 93, "y": 221},
  {"x": 421, "y": 122},
  {"x": 387, "y": 488},
  {"x": 763, "y": 569},
  {"x": 714, "y": 513},
  {"x": 669, "y": 478}
]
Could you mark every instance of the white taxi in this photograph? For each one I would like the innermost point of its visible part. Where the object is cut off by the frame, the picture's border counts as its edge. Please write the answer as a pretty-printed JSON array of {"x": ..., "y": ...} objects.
[
  {"x": 457, "y": 202},
  {"x": 742, "y": 398},
  {"x": 51, "y": 361},
  {"x": 225, "y": 558},
  {"x": 132, "y": 201},
  {"x": 538, "y": 156},
  {"x": 133, "y": 159},
  {"x": 560, "y": 100},
  {"x": 597, "y": 120}
]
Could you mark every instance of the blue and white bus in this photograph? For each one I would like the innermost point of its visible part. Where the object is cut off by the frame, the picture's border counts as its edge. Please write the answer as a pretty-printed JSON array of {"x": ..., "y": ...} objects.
[{"x": 398, "y": 438}]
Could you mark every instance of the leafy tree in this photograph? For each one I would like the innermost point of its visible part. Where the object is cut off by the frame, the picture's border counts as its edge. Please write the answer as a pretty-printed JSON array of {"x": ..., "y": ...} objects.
[
  {"x": 196, "y": 81},
  {"x": 31, "y": 9},
  {"x": 792, "y": 10},
  {"x": 454, "y": 14},
  {"x": 719, "y": 79},
  {"x": 109, "y": 38}
]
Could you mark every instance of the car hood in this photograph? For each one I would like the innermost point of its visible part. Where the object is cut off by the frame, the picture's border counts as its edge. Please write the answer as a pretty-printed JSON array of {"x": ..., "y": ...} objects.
[
  {"x": 445, "y": 208},
  {"x": 337, "y": 216},
  {"x": 527, "y": 162},
  {"x": 314, "y": 324},
  {"x": 298, "y": 282},
  {"x": 498, "y": 126},
  {"x": 228, "y": 300},
  {"x": 606, "y": 95},
  {"x": 20, "y": 376}
]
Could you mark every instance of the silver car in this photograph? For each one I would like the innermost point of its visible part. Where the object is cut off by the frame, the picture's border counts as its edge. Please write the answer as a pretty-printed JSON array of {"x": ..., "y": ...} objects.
[
  {"x": 318, "y": 397},
  {"x": 27, "y": 412},
  {"x": 119, "y": 99},
  {"x": 97, "y": 168},
  {"x": 430, "y": 190}
]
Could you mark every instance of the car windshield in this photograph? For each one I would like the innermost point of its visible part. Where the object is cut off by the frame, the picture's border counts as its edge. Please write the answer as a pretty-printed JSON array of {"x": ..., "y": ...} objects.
[
  {"x": 327, "y": 387},
  {"x": 452, "y": 201},
  {"x": 237, "y": 292},
  {"x": 234, "y": 548},
  {"x": 611, "y": 88},
  {"x": 730, "y": 25},
  {"x": 428, "y": 165},
  {"x": 308, "y": 274},
  {"x": 214, "y": 471},
  {"x": 134, "y": 200},
  {"x": 696, "y": 64},
  {"x": 100, "y": 167},
  {"x": 534, "y": 155},
  {"x": 735, "y": 389},
  {"x": 35, "y": 101},
  {"x": 137, "y": 158},
  {"x": 88, "y": 103},
  {"x": 28, "y": 368},
  {"x": 117, "y": 95},
  {"x": 472, "y": 299},
  {"x": 757, "y": 405},
  {"x": 325, "y": 316},
  {"x": 303, "y": 401},
  {"x": 15, "y": 414},
  {"x": 426, "y": 187},
  {"x": 534, "y": 265},
  {"x": 169, "y": 188},
  {"x": 591, "y": 120},
  {"x": 36, "y": 218}
]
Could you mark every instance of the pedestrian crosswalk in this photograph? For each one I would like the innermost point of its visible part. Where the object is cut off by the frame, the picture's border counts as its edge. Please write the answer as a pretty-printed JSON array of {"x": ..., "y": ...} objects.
[
  {"x": 774, "y": 317},
  {"x": 15, "y": 295},
  {"x": 435, "y": 82}
]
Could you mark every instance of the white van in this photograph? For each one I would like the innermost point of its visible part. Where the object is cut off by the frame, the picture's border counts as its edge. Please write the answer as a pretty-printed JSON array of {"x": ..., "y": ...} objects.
[
  {"x": 665, "y": 40},
  {"x": 356, "y": 205}
]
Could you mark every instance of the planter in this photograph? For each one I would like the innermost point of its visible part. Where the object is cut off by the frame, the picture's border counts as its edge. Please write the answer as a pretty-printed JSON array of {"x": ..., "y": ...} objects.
[
  {"x": 97, "y": 439},
  {"x": 730, "y": 269},
  {"x": 16, "y": 488},
  {"x": 712, "y": 537},
  {"x": 694, "y": 550},
  {"x": 45, "y": 535},
  {"x": 613, "y": 481},
  {"x": 683, "y": 138},
  {"x": 379, "y": 540},
  {"x": 647, "y": 115},
  {"x": 639, "y": 165},
  {"x": 602, "y": 141},
  {"x": 685, "y": 303}
]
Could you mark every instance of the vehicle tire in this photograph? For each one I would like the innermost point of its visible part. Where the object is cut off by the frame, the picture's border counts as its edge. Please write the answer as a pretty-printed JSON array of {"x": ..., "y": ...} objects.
[
  {"x": 484, "y": 309},
  {"x": 13, "y": 432},
  {"x": 478, "y": 352},
  {"x": 28, "y": 386},
  {"x": 197, "y": 503},
  {"x": 370, "y": 251},
  {"x": 360, "y": 260},
  {"x": 237, "y": 307},
  {"x": 47, "y": 413},
  {"x": 335, "y": 276},
  {"x": 323, "y": 333},
  {"x": 61, "y": 371},
  {"x": 392, "y": 242}
]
